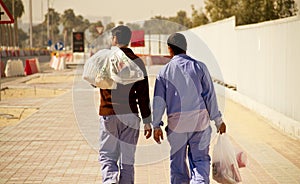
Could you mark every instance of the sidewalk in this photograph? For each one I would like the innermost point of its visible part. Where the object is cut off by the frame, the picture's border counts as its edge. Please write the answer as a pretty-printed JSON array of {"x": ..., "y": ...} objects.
[{"x": 58, "y": 144}]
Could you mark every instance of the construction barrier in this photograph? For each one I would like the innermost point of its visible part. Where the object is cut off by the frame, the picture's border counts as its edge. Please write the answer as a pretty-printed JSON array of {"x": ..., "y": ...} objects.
[
  {"x": 18, "y": 52},
  {"x": 57, "y": 63},
  {"x": 2, "y": 69},
  {"x": 59, "y": 60},
  {"x": 31, "y": 66},
  {"x": 62, "y": 63},
  {"x": 4, "y": 53},
  {"x": 37, "y": 65},
  {"x": 69, "y": 57},
  {"x": 14, "y": 68}
]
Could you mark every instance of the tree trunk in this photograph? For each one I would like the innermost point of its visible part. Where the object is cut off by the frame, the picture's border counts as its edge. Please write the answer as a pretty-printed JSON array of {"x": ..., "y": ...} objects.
[
  {"x": 16, "y": 33},
  {"x": 2, "y": 35},
  {"x": 8, "y": 28},
  {"x": 10, "y": 35}
]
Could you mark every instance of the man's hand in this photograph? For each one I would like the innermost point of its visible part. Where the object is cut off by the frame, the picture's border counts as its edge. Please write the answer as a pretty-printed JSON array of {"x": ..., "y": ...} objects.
[
  {"x": 147, "y": 130},
  {"x": 158, "y": 134},
  {"x": 222, "y": 128}
]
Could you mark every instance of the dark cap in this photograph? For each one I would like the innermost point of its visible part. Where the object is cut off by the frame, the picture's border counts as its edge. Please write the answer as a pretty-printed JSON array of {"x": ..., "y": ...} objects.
[
  {"x": 123, "y": 34},
  {"x": 178, "y": 40}
]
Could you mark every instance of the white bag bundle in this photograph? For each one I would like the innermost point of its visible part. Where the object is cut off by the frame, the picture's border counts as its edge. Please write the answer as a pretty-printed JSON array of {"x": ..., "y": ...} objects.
[
  {"x": 124, "y": 70},
  {"x": 96, "y": 68},
  {"x": 224, "y": 163},
  {"x": 110, "y": 66}
]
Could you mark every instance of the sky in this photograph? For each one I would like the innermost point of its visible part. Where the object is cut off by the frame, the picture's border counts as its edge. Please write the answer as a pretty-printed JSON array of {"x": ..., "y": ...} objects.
[{"x": 128, "y": 11}]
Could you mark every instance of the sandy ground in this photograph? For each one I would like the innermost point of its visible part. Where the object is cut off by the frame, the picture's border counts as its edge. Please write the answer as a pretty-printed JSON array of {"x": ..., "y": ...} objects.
[
  {"x": 32, "y": 92},
  {"x": 44, "y": 85},
  {"x": 11, "y": 116}
]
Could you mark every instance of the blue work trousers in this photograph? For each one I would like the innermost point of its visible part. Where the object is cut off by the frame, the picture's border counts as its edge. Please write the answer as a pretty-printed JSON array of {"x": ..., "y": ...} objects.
[
  {"x": 195, "y": 145},
  {"x": 118, "y": 139}
]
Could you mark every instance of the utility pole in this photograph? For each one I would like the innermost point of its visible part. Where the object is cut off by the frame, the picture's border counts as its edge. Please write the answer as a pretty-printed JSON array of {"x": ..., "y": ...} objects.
[
  {"x": 48, "y": 22},
  {"x": 42, "y": 16},
  {"x": 30, "y": 22},
  {"x": 14, "y": 30}
]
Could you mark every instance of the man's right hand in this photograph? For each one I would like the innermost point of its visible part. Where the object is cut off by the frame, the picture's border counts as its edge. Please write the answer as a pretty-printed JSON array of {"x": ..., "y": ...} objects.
[
  {"x": 222, "y": 128},
  {"x": 158, "y": 135}
]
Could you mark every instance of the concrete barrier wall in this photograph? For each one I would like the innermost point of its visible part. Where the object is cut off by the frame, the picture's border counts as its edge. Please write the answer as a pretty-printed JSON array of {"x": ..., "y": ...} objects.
[
  {"x": 14, "y": 68},
  {"x": 261, "y": 60}
]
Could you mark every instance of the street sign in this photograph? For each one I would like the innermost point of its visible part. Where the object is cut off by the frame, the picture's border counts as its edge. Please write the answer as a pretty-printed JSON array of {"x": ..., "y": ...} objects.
[
  {"x": 5, "y": 15},
  {"x": 49, "y": 43},
  {"x": 78, "y": 42},
  {"x": 59, "y": 46}
]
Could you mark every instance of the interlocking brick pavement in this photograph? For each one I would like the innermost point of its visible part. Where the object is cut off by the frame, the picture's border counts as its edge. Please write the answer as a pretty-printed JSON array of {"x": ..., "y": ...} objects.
[{"x": 50, "y": 147}]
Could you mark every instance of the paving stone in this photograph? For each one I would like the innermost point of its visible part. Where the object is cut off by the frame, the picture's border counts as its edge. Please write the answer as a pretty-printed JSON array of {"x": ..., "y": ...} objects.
[{"x": 50, "y": 147}]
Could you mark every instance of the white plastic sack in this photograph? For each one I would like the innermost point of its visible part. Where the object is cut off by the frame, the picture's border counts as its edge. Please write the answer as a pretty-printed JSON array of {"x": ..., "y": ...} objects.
[
  {"x": 110, "y": 66},
  {"x": 124, "y": 70},
  {"x": 225, "y": 167}
]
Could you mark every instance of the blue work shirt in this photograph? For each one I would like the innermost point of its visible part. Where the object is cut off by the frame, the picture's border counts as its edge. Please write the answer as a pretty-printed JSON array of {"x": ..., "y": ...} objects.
[{"x": 185, "y": 89}]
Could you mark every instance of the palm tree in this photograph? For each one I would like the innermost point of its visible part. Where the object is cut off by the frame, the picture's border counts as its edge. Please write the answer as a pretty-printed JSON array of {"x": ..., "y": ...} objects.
[
  {"x": 67, "y": 19},
  {"x": 72, "y": 22},
  {"x": 54, "y": 19}
]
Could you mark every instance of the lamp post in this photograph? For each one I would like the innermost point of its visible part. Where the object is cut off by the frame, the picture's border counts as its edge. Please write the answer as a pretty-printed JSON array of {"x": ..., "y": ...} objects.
[
  {"x": 48, "y": 21},
  {"x": 30, "y": 22},
  {"x": 14, "y": 30}
]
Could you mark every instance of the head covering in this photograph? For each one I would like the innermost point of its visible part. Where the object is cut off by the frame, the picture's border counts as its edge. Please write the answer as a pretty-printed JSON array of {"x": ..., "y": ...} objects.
[
  {"x": 178, "y": 40},
  {"x": 123, "y": 34}
]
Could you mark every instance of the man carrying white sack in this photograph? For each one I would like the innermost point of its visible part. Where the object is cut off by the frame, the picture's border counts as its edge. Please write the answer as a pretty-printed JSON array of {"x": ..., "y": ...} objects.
[{"x": 119, "y": 119}]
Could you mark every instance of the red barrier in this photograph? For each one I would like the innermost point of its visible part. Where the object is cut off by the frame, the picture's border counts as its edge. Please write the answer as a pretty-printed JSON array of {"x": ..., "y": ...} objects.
[
  {"x": 33, "y": 66},
  {"x": 69, "y": 57},
  {"x": 13, "y": 53},
  {"x": 18, "y": 53},
  {"x": 30, "y": 67},
  {"x": 155, "y": 59},
  {"x": 27, "y": 69},
  {"x": 2, "y": 68}
]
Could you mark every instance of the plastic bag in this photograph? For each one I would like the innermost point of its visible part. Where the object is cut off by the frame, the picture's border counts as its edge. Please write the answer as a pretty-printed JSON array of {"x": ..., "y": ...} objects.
[
  {"x": 110, "y": 66},
  {"x": 96, "y": 69},
  {"x": 225, "y": 167},
  {"x": 124, "y": 70}
]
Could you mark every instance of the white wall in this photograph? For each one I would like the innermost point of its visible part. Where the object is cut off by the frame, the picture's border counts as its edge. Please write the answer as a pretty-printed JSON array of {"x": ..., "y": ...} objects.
[
  {"x": 220, "y": 38},
  {"x": 275, "y": 60},
  {"x": 262, "y": 60}
]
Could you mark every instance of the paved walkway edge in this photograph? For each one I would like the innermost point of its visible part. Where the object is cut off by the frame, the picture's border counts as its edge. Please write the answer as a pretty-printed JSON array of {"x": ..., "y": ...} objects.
[{"x": 280, "y": 121}]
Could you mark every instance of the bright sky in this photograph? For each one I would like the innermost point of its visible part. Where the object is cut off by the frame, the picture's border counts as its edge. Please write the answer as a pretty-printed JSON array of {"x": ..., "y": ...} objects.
[{"x": 120, "y": 10}]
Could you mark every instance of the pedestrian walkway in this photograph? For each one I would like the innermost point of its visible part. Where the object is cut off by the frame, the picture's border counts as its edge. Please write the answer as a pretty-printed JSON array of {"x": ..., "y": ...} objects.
[{"x": 58, "y": 144}]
